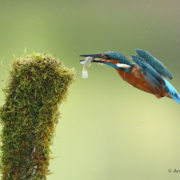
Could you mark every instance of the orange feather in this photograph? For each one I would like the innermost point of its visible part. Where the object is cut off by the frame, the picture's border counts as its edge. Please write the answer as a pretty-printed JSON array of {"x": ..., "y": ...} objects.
[{"x": 136, "y": 79}]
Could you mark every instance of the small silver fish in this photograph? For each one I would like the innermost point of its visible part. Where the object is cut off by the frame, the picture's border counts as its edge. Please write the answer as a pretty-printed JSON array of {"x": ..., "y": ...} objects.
[{"x": 87, "y": 63}]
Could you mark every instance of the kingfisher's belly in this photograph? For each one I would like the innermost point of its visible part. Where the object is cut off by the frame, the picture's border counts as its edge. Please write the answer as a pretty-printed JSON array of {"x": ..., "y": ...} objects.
[{"x": 136, "y": 79}]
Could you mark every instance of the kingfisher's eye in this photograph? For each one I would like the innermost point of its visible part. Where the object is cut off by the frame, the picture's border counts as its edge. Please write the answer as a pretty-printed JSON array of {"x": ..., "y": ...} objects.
[{"x": 105, "y": 56}]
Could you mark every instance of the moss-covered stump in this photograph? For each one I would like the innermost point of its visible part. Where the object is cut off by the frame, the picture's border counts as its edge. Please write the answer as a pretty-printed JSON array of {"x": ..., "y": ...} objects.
[{"x": 37, "y": 86}]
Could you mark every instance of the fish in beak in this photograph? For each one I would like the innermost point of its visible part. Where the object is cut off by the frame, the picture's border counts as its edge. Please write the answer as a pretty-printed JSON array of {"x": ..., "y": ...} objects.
[
  {"x": 89, "y": 58},
  {"x": 86, "y": 63},
  {"x": 101, "y": 59}
]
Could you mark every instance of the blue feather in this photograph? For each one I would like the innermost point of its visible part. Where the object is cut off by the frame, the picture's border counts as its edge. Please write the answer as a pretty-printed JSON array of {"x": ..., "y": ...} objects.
[
  {"x": 155, "y": 79},
  {"x": 155, "y": 63},
  {"x": 151, "y": 75},
  {"x": 118, "y": 56},
  {"x": 172, "y": 91}
]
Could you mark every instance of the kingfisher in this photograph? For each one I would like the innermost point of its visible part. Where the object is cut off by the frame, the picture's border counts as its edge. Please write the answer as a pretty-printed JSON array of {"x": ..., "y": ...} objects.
[{"x": 144, "y": 72}]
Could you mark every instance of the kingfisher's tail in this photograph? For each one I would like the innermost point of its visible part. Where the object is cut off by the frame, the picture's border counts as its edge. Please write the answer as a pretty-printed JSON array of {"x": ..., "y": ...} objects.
[{"x": 172, "y": 91}]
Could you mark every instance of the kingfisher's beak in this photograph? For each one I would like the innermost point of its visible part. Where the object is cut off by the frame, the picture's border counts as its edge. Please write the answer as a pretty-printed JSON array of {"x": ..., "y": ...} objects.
[
  {"x": 99, "y": 58},
  {"x": 92, "y": 55}
]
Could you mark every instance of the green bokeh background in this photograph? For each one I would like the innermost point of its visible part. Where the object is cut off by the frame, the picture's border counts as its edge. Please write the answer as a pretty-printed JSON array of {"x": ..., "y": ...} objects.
[{"x": 108, "y": 130}]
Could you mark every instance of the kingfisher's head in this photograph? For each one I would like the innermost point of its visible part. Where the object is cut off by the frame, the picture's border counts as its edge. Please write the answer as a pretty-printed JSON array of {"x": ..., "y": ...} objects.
[
  {"x": 111, "y": 58},
  {"x": 116, "y": 56}
]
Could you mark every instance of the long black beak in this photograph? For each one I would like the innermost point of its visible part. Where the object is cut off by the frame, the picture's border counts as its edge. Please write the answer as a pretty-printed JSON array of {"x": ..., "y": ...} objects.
[
  {"x": 92, "y": 55},
  {"x": 100, "y": 56},
  {"x": 97, "y": 61}
]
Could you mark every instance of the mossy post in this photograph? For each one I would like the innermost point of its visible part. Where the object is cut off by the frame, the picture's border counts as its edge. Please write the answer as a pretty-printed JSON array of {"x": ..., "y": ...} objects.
[{"x": 38, "y": 84}]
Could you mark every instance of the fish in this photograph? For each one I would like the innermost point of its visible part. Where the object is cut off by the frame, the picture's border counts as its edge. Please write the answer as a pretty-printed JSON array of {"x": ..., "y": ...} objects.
[{"x": 86, "y": 63}]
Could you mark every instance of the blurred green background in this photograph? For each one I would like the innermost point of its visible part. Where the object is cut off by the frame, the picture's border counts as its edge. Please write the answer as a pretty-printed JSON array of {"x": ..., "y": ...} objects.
[{"x": 108, "y": 130}]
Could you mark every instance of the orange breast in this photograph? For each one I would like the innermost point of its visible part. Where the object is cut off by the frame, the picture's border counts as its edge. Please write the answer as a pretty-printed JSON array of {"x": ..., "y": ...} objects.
[{"x": 136, "y": 79}]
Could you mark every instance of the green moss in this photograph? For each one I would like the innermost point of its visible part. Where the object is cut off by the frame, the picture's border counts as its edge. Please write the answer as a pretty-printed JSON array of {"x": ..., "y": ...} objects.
[{"x": 38, "y": 84}]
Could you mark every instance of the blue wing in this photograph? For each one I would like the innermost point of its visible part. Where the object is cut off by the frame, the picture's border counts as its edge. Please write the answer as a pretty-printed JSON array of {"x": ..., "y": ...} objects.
[
  {"x": 155, "y": 79},
  {"x": 151, "y": 75},
  {"x": 155, "y": 63}
]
